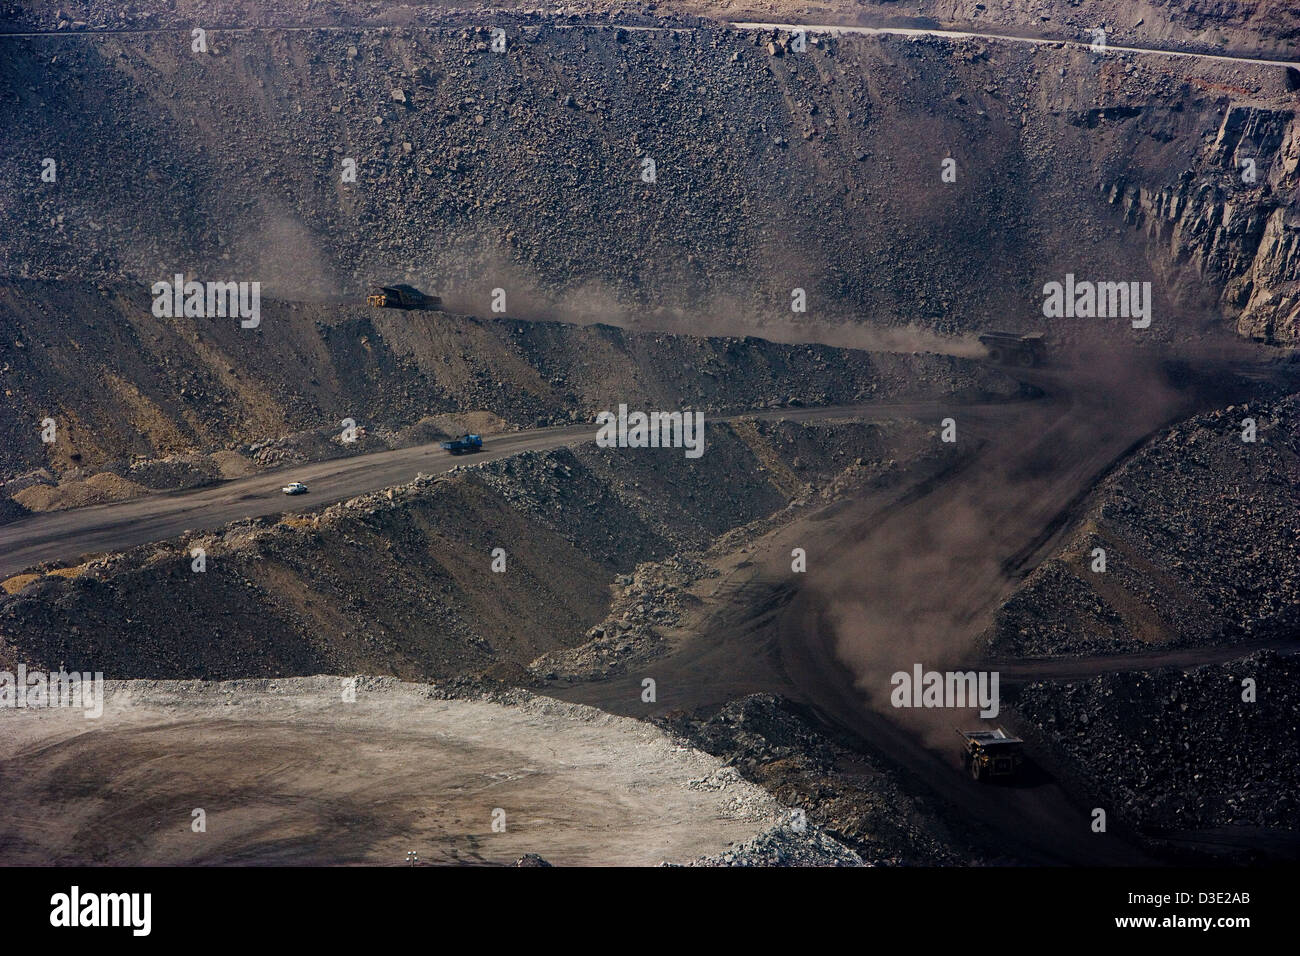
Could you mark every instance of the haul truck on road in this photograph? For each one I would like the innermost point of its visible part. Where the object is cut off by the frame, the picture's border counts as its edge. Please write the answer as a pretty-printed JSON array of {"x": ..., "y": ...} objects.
[
  {"x": 1012, "y": 348},
  {"x": 401, "y": 297},
  {"x": 463, "y": 445},
  {"x": 991, "y": 754}
]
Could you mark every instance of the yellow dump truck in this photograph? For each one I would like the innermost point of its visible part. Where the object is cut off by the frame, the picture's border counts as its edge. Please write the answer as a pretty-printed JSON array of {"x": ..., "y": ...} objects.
[
  {"x": 401, "y": 297},
  {"x": 991, "y": 754}
]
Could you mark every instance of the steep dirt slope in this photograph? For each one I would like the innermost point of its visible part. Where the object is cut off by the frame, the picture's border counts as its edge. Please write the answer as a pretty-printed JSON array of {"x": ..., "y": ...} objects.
[
  {"x": 1183, "y": 754},
  {"x": 127, "y": 389},
  {"x": 1199, "y": 533},
  {"x": 479, "y": 171},
  {"x": 402, "y": 582}
]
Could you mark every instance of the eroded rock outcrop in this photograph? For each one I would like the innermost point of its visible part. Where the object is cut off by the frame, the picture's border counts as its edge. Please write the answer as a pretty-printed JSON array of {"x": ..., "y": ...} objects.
[{"x": 1233, "y": 223}]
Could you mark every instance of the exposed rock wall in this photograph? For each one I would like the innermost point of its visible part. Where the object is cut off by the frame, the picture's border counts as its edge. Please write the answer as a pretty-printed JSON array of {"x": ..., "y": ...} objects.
[{"x": 1232, "y": 223}]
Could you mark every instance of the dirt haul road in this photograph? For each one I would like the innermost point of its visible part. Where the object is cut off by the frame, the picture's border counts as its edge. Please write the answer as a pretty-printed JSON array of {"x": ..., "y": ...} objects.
[
  {"x": 1008, "y": 36},
  {"x": 65, "y": 535},
  {"x": 898, "y": 579},
  {"x": 1100, "y": 46}
]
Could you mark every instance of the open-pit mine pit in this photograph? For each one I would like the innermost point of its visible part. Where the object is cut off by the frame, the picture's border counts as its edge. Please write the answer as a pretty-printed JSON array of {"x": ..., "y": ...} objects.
[{"x": 616, "y": 436}]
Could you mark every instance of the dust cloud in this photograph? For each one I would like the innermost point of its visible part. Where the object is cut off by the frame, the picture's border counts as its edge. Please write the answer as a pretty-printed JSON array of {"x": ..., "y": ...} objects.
[
  {"x": 722, "y": 315},
  {"x": 919, "y": 584}
]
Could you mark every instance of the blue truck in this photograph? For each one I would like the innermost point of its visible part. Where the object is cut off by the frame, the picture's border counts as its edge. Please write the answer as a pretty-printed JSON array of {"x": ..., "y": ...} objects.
[{"x": 464, "y": 445}]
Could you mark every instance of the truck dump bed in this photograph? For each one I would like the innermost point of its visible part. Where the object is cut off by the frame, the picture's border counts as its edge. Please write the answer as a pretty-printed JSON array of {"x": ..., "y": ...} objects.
[{"x": 989, "y": 737}]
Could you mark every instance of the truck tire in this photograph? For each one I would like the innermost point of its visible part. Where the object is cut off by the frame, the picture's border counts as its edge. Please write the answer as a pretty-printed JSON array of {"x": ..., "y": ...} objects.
[
  {"x": 1027, "y": 359},
  {"x": 976, "y": 771},
  {"x": 995, "y": 355}
]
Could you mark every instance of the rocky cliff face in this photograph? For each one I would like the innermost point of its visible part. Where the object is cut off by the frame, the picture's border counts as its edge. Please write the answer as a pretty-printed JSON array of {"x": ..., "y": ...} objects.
[
  {"x": 1232, "y": 223},
  {"x": 525, "y": 171}
]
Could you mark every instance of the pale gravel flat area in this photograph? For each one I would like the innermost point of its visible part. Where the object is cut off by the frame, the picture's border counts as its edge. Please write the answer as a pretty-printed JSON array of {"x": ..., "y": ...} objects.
[{"x": 289, "y": 773}]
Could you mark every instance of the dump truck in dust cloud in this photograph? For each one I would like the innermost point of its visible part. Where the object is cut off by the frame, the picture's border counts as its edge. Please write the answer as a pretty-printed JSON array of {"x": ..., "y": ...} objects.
[
  {"x": 1013, "y": 348},
  {"x": 401, "y": 297},
  {"x": 991, "y": 754}
]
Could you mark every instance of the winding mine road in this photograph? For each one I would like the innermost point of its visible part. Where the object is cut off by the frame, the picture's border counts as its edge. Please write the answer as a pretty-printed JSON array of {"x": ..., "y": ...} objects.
[
  {"x": 117, "y": 526},
  {"x": 911, "y": 575},
  {"x": 952, "y": 34},
  {"x": 904, "y": 574}
]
